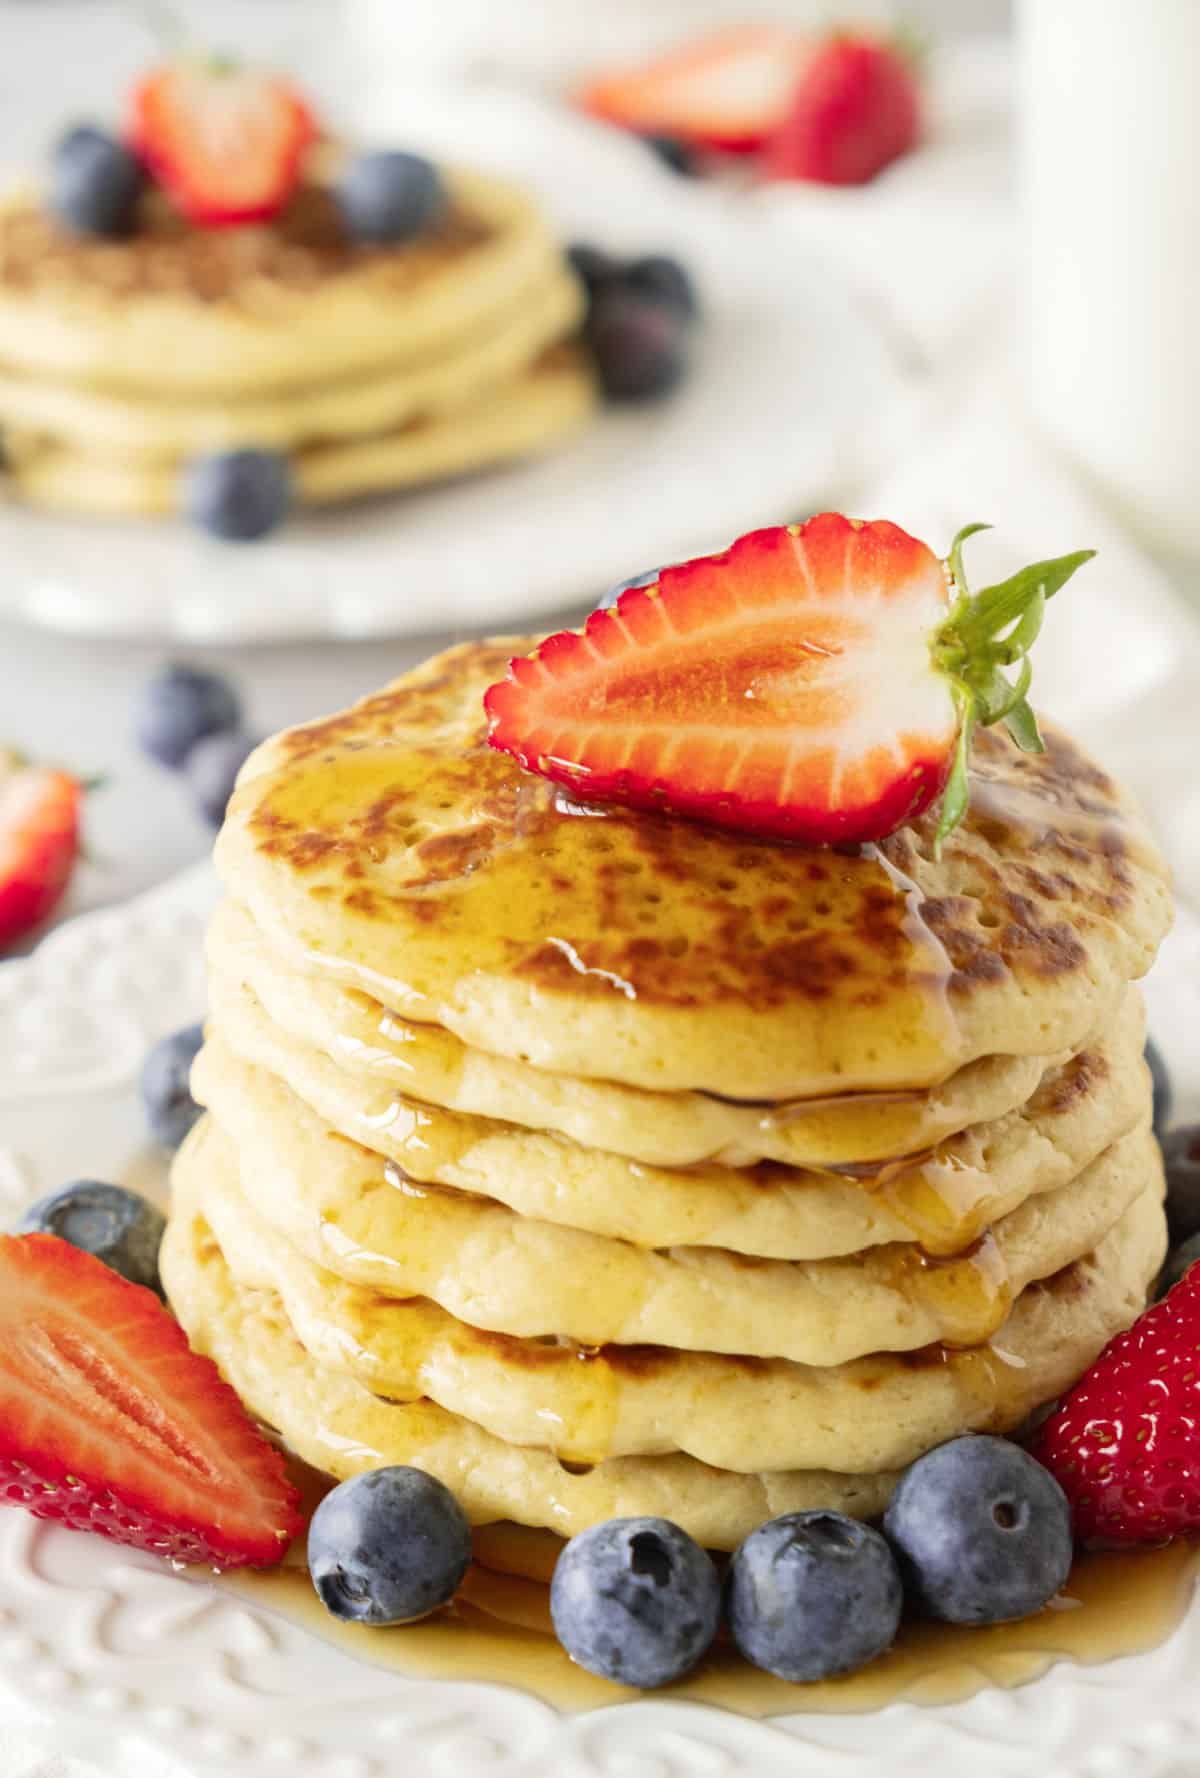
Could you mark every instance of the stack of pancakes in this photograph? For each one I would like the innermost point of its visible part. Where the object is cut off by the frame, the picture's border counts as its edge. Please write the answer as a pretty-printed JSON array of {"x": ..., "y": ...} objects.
[
  {"x": 374, "y": 368},
  {"x": 601, "y": 1163}
]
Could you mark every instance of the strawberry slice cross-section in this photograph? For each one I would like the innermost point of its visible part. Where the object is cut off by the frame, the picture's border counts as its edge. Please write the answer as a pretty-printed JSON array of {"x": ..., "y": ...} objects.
[
  {"x": 727, "y": 91},
  {"x": 224, "y": 141},
  {"x": 110, "y": 1423},
  {"x": 815, "y": 682}
]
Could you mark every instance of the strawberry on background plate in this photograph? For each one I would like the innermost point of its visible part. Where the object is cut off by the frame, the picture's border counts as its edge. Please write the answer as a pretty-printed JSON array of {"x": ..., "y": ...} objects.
[
  {"x": 728, "y": 91},
  {"x": 1124, "y": 1445},
  {"x": 835, "y": 109},
  {"x": 817, "y": 682},
  {"x": 39, "y": 843},
  {"x": 110, "y": 1423},
  {"x": 226, "y": 142},
  {"x": 855, "y": 108}
]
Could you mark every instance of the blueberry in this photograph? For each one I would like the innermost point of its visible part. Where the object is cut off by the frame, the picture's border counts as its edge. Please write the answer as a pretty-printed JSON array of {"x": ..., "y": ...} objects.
[
  {"x": 1178, "y": 1261},
  {"x": 639, "y": 344},
  {"x": 595, "y": 269},
  {"x": 170, "y": 1109},
  {"x": 95, "y": 183},
  {"x": 178, "y": 707},
  {"x": 211, "y": 771},
  {"x": 636, "y": 1601},
  {"x": 813, "y": 1594},
  {"x": 1163, "y": 1095},
  {"x": 638, "y": 580},
  {"x": 118, "y": 1226},
  {"x": 388, "y": 1546},
  {"x": 664, "y": 279},
  {"x": 238, "y": 495},
  {"x": 673, "y": 153},
  {"x": 1181, "y": 1155},
  {"x": 391, "y": 197},
  {"x": 981, "y": 1531}
]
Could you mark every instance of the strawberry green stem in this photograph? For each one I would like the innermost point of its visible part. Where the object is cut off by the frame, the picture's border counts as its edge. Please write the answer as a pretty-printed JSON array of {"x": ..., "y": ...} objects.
[{"x": 984, "y": 633}]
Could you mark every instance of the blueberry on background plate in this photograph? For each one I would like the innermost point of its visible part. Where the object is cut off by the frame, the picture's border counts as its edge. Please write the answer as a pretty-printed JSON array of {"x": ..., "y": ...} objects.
[
  {"x": 639, "y": 344},
  {"x": 95, "y": 183},
  {"x": 390, "y": 197},
  {"x": 639, "y": 316},
  {"x": 981, "y": 1531},
  {"x": 675, "y": 154},
  {"x": 1181, "y": 1157},
  {"x": 120, "y": 1227},
  {"x": 1163, "y": 1096},
  {"x": 813, "y": 1594},
  {"x": 170, "y": 1109},
  {"x": 1180, "y": 1260},
  {"x": 636, "y": 1601},
  {"x": 237, "y": 495},
  {"x": 211, "y": 771},
  {"x": 664, "y": 278},
  {"x": 178, "y": 707},
  {"x": 637, "y": 580},
  {"x": 388, "y": 1547},
  {"x": 595, "y": 269}
]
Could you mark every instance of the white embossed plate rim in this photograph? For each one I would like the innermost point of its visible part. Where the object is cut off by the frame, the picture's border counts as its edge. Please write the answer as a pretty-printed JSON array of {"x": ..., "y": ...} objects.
[{"x": 107, "y": 1657}]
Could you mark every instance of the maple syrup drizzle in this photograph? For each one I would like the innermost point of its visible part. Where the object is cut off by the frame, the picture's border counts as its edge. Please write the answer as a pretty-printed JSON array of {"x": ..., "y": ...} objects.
[{"x": 448, "y": 866}]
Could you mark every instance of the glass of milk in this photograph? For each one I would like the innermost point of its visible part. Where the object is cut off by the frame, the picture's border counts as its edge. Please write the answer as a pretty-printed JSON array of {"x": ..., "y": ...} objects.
[{"x": 1110, "y": 93}]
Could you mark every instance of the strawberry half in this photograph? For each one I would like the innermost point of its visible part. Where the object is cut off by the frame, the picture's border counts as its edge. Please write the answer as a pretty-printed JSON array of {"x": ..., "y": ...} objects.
[
  {"x": 817, "y": 682},
  {"x": 39, "y": 843},
  {"x": 224, "y": 142},
  {"x": 1123, "y": 1443},
  {"x": 729, "y": 91},
  {"x": 855, "y": 109},
  {"x": 109, "y": 1423}
]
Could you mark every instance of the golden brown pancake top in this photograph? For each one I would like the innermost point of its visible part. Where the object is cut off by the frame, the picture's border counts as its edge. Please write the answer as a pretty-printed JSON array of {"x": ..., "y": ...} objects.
[
  {"x": 306, "y": 245},
  {"x": 398, "y": 810}
]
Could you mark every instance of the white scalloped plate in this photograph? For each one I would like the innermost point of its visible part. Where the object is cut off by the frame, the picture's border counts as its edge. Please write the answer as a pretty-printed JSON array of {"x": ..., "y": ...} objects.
[{"x": 107, "y": 1656}]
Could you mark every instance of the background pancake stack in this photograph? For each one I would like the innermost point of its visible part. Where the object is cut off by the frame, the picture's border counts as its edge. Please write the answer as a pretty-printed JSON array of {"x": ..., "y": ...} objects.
[
  {"x": 602, "y": 1163},
  {"x": 377, "y": 368}
]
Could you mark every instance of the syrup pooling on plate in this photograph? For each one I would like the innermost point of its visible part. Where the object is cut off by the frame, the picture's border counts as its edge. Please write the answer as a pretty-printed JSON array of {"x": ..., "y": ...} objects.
[{"x": 498, "y": 1632}]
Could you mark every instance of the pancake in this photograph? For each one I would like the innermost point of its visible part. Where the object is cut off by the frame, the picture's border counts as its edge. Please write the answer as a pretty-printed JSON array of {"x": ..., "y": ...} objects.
[
  {"x": 879, "y": 1412},
  {"x": 946, "y": 1198},
  {"x": 200, "y": 312},
  {"x": 334, "y": 1423},
  {"x": 145, "y": 423},
  {"x": 389, "y": 848},
  {"x": 662, "y": 1129},
  {"x": 514, "y": 1275},
  {"x": 531, "y": 412},
  {"x": 505, "y": 1548}
]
